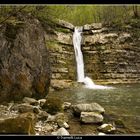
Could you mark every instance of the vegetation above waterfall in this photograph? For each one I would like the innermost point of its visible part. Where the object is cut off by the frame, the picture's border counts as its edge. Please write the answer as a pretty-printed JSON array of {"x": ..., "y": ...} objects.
[{"x": 77, "y": 14}]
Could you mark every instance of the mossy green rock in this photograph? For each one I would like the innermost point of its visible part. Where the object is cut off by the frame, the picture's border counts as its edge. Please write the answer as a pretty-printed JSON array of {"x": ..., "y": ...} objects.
[{"x": 52, "y": 105}]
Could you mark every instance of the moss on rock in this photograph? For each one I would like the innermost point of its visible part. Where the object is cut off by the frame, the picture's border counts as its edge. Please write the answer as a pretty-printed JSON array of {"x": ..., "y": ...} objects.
[{"x": 52, "y": 105}]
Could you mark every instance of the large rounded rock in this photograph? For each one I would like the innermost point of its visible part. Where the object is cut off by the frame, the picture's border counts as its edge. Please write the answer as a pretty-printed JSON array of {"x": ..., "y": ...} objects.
[
  {"x": 23, "y": 124},
  {"x": 52, "y": 105},
  {"x": 93, "y": 107},
  {"x": 24, "y": 61}
]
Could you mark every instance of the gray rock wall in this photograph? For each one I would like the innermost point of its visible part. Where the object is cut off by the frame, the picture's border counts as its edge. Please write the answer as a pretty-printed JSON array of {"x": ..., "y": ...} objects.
[{"x": 24, "y": 59}]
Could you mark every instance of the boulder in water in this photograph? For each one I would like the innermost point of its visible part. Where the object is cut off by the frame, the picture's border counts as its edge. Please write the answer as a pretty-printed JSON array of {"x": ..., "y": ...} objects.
[{"x": 93, "y": 107}]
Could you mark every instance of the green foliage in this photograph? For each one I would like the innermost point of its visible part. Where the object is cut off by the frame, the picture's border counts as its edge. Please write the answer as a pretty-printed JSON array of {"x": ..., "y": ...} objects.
[
  {"x": 78, "y": 14},
  {"x": 63, "y": 30}
]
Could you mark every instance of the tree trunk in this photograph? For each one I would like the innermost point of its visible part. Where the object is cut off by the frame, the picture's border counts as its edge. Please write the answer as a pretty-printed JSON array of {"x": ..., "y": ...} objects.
[{"x": 135, "y": 12}]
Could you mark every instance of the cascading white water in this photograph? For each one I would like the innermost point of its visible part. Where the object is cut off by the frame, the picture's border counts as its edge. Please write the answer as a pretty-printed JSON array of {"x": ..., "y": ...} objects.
[{"x": 77, "y": 38}]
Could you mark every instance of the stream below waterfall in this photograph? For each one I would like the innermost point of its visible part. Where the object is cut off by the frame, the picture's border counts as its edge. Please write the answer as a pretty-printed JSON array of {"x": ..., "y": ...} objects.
[{"x": 122, "y": 102}]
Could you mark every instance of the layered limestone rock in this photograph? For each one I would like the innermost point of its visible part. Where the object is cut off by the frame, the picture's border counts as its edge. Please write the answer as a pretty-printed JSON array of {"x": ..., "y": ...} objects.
[
  {"x": 62, "y": 57},
  {"x": 111, "y": 54}
]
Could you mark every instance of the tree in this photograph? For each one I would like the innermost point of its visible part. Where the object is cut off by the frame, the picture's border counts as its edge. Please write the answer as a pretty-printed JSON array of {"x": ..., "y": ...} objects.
[{"x": 135, "y": 11}]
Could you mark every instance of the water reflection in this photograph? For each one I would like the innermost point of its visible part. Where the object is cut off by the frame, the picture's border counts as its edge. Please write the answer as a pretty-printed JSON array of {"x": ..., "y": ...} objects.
[{"x": 124, "y": 100}]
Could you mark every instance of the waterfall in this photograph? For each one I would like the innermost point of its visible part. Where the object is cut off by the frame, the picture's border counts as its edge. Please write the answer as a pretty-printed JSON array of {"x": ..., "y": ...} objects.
[{"x": 77, "y": 39}]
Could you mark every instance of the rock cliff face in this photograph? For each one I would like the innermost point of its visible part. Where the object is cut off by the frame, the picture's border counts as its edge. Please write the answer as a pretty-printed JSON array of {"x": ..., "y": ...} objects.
[
  {"x": 111, "y": 54},
  {"x": 24, "y": 63},
  {"x": 62, "y": 57}
]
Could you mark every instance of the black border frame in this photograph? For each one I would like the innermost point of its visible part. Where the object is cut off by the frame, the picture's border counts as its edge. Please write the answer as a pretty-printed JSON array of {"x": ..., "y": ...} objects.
[{"x": 69, "y": 1}]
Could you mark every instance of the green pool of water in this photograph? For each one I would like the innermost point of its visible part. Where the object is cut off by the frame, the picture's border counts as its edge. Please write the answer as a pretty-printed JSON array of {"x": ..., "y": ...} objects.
[{"x": 123, "y": 101}]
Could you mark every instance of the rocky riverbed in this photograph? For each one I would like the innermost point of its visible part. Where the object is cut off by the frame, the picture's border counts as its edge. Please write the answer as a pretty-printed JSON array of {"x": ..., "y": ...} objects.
[{"x": 38, "y": 117}]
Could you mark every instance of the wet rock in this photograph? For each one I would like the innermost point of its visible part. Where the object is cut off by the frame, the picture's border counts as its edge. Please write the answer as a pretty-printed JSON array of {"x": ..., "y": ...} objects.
[
  {"x": 107, "y": 128},
  {"x": 91, "y": 117},
  {"x": 93, "y": 107},
  {"x": 23, "y": 124},
  {"x": 62, "y": 131},
  {"x": 24, "y": 70},
  {"x": 31, "y": 101}
]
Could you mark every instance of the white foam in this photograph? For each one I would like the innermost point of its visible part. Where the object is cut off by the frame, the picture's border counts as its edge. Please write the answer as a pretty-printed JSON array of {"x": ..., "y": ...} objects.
[
  {"x": 77, "y": 38},
  {"x": 91, "y": 85}
]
